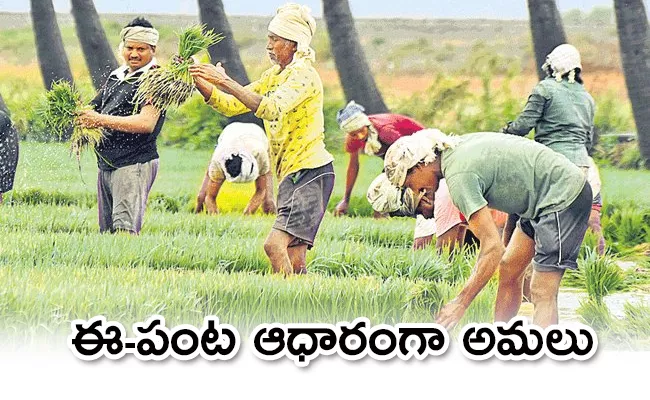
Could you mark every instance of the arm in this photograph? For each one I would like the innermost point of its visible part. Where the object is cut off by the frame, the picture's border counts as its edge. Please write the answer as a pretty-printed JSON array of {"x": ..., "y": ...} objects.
[
  {"x": 351, "y": 178},
  {"x": 258, "y": 196},
  {"x": 211, "y": 195},
  {"x": 268, "y": 206},
  {"x": 532, "y": 113},
  {"x": 490, "y": 254},
  {"x": 144, "y": 122},
  {"x": 209, "y": 79}
]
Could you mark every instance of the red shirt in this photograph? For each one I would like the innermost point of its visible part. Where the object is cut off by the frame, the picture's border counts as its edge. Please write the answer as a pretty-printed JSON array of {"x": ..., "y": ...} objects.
[{"x": 390, "y": 127}]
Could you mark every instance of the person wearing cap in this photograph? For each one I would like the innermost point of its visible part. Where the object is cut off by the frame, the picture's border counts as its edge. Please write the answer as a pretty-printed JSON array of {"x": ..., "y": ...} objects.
[
  {"x": 289, "y": 99},
  {"x": 241, "y": 156},
  {"x": 562, "y": 113},
  {"x": 514, "y": 175},
  {"x": 8, "y": 153},
  {"x": 127, "y": 157}
]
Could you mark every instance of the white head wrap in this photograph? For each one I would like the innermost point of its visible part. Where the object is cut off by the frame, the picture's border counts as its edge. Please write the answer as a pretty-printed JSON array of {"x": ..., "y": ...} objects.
[
  {"x": 385, "y": 197},
  {"x": 294, "y": 22},
  {"x": 563, "y": 59},
  {"x": 408, "y": 151},
  {"x": 142, "y": 34},
  {"x": 249, "y": 167},
  {"x": 352, "y": 118}
]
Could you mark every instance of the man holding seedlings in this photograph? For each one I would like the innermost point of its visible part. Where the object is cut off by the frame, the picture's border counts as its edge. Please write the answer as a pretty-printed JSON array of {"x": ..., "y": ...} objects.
[
  {"x": 513, "y": 175},
  {"x": 289, "y": 98},
  {"x": 127, "y": 157},
  {"x": 241, "y": 155}
]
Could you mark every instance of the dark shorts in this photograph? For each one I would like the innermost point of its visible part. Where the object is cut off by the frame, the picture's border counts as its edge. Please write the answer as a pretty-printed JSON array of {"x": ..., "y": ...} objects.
[
  {"x": 559, "y": 235},
  {"x": 302, "y": 201}
]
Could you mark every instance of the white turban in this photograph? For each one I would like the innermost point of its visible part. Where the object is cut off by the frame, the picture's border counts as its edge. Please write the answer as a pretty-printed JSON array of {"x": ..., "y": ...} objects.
[
  {"x": 563, "y": 59},
  {"x": 408, "y": 151},
  {"x": 249, "y": 166},
  {"x": 385, "y": 197},
  {"x": 294, "y": 22},
  {"x": 142, "y": 34}
]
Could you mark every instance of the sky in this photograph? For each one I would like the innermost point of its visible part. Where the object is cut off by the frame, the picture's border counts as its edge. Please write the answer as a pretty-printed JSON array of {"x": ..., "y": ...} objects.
[{"x": 498, "y": 9}]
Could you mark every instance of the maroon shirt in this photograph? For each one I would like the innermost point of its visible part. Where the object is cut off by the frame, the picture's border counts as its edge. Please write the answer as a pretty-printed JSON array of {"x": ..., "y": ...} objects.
[{"x": 390, "y": 127}]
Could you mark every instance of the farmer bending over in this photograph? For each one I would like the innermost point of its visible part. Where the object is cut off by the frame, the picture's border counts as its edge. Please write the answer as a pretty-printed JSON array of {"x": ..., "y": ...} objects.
[
  {"x": 127, "y": 157},
  {"x": 242, "y": 155},
  {"x": 513, "y": 175},
  {"x": 289, "y": 98},
  {"x": 372, "y": 135}
]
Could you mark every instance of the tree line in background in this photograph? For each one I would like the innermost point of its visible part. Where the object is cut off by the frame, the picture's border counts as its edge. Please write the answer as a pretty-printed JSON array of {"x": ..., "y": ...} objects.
[{"x": 353, "y": 70}]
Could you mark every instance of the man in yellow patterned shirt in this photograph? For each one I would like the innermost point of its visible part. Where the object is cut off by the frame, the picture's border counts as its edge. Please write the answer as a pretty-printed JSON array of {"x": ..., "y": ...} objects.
[{"x": 289, "y": 98}]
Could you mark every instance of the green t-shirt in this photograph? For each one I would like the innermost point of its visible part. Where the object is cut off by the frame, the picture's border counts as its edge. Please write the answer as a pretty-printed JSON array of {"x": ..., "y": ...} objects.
[{"x": 510, "y": 174}]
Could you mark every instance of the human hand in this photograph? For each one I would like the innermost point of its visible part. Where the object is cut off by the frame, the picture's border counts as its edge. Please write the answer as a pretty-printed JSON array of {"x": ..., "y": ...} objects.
[
  {"x": 214, "y": 74},
  {"x": 88, "y": 119},
  {"x": 378, "y": 215},
  {"x": 341, "y": 208},
  {"x": 451, "y": 314},
  {"x": 211, "y": 208}
]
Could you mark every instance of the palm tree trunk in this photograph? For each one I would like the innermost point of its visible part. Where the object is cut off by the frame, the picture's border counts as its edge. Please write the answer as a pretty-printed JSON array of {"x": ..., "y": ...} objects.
[
  {"x": 3, "y": 106},
  {"x": 98, "y": 53},
  {"x": 214, "y": 17},
  {"x": 356, "y": 79},
  {"x": 49, "y": 45},
  {"x": 634, "y": 40},
  {"x": 546, "y": 28}
]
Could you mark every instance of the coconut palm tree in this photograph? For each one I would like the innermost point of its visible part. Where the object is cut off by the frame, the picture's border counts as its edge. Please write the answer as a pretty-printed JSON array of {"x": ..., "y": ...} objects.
[
  {"x": 49, "y": 45},
  {"x": 98, "y": 53},
  {"x": 546, "y": 28},
  {"x": 634, "y": 40},
  {"x": 356, "y": 79},
  {"x": 213, "y": 15}
]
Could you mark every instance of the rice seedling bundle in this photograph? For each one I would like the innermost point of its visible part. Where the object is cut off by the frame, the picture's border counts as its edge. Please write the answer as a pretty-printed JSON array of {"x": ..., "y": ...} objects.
[
  {"x": 62, "y": 106},
  {"x": 171, "y": 84}
]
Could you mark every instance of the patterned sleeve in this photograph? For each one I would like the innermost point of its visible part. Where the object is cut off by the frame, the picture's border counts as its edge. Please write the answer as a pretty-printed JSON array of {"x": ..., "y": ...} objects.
[
  {"x": 299, "y": 86},
  {"x": 227, "y": 104}
]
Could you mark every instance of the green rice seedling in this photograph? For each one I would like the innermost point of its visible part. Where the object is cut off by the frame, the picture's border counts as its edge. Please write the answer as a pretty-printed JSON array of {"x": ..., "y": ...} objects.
[
  {"x": 596, "y": 314},
  {"x": 602, "y": 276},
  {"x": 637, "y": 320},
  {"x": 63, "y": 105},
  {"x": 171, "y": 84}
]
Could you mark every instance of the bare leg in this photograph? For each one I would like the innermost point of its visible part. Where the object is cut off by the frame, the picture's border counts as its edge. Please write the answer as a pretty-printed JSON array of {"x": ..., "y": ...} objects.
[
  {"x": 298, "y": 257},
  {"x": 200, "y": 198},
  {"x": 276, "y": 248},
  {"x": 544, "y": 287},
  {"x": 519, "y": 252},
  {"x": 594, "y": 225}
]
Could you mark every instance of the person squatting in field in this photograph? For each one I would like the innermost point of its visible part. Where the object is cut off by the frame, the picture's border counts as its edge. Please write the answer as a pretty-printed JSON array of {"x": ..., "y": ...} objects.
[
  {"x": 373, "y": 134},
  {"x": 562, "y": 113},
  {"x": 289, "y": 99},
  {"x": 448, "y": 223},
  {"x": 514, "y": 175},
  {"x": 8, "y": 153},
  {"x": 127, "y": 157},
  {"x": 241, "y": 156}
]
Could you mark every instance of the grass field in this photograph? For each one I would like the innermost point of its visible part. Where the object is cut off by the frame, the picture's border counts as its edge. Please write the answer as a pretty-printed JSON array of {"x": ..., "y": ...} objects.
[{"x": 57, "y": 267}]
